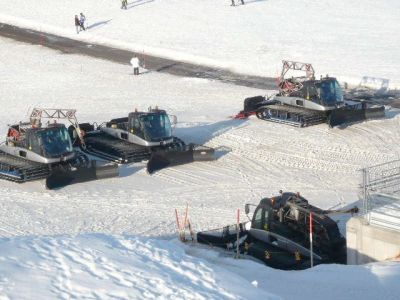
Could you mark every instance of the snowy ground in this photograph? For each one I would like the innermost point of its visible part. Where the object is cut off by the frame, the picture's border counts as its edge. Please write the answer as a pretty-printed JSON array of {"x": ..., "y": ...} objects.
[
  {"x": 64, "y": 243},
  {"x": 97, "y": 266},
  {"x": 347, "y": 39}
]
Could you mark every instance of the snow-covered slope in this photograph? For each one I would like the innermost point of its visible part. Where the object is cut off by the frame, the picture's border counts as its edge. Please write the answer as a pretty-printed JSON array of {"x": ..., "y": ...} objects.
[
  {"x": 347, "y": 39},
  {"x": 97, "y": 266},
  {"x": 67, "y": 244},
  {"x": 112, "y": 267}
]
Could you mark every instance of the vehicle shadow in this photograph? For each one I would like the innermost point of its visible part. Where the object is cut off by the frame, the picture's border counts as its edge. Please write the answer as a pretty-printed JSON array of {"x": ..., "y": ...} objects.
[
  {"x": 198, "y": 134},
  {"x": 203, "y": 133}
]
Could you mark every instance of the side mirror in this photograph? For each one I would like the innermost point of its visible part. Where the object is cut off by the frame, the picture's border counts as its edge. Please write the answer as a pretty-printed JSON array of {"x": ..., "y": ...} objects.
[{"x": 247, "y": 208}]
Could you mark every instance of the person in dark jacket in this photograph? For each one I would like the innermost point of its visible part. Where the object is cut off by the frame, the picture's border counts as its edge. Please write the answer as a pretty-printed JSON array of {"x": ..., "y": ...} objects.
[
  {"x": 233, "y": 2},
  {"x": 77, "y": 24},
  {"x": 82, "y": 21},
  {"x": 124, "y": 4}
]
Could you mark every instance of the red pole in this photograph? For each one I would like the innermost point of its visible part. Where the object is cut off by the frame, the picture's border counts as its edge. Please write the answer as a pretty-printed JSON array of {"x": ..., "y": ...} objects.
[
  {"x": 42, "y": 39},
  {"x": 311, "y": 240}
]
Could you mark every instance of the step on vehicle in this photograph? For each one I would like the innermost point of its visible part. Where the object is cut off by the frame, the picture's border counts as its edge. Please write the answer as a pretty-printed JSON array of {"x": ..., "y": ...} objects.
[
  {"x": 142, "y": 136},
  {"x": 305, "y": 101},
  {"x": 33, "y": 150},
  {"x": 279, "y": 233}
]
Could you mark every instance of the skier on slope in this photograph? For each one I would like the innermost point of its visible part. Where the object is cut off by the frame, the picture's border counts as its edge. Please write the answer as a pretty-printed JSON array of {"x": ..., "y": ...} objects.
[
  {"x": 135, "y": 65},
  {"x": 233, "y": 2},
  {"x": 82, "y": 21},
  {"x": 124, "y": 4}
]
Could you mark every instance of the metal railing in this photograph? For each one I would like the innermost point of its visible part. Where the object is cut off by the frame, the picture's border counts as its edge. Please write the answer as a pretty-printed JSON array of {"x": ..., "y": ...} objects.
[{"x": 381, "y": 194}]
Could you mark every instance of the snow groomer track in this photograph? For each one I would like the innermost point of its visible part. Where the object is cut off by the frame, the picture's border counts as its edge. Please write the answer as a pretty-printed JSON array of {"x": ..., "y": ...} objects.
[{"x": 20, "y": 170}]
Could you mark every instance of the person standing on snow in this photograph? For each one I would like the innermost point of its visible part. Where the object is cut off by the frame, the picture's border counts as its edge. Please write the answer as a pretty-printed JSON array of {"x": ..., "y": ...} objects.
[
  {"x": 124, "y": 4},
  {"x": 82, "y": 21},
  {"x": 233, "y": 2},
  {"x": 135, "y": 65},
  {"x": 77, "y": 24}
]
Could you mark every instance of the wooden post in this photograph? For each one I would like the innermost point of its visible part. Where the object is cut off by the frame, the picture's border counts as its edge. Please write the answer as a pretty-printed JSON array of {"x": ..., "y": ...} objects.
[
  {"x": 184, "y": 224},
  {"x": 186, "y": 216},
  {"x": 177, "y": 222}
]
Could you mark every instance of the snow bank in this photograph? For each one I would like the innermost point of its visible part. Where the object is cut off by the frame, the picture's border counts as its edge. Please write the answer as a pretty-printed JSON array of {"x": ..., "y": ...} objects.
[
  {"x": 341, "y": 38},
  {"x": 97, "y": 266},
  {"x": 112, "y": 267}
]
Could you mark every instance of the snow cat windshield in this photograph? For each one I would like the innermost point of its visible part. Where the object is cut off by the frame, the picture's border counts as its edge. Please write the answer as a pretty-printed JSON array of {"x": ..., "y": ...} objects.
[
  {"x": 52, "y": 142},
  {"x": 330, "y": 92},
  {"x": 156, "y": 127}
]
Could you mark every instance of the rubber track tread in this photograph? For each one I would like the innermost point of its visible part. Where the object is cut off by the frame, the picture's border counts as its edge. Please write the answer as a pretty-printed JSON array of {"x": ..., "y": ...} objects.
[
  {"x": 20, "y": 170},
  {"x": 112, "y": 149},
  {"x": 299, "y": 117}
]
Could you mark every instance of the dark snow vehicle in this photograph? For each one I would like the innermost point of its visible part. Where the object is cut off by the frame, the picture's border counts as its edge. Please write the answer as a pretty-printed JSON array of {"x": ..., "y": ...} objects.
[
  {"x": 279, "y": 234},
  {"x": 305, "y": 101},
  {"x": 139, "y": 137},
  {"x": 34, "y": 151}
]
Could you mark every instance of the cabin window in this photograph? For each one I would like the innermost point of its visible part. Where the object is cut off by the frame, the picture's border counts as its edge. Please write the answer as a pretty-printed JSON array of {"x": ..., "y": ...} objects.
[
  {"x": 258, "y": 219},
  {"x": 299, "y": 102}
]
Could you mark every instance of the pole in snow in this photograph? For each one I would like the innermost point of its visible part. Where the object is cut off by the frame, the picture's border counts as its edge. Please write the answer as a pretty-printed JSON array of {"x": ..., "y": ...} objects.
[
  {"x": 311, "y": 240},
  {"x": 42, "y": 39},
  {"x": 144, "y": 60},
  {"x": 237, "y": 233},
  {"x": 184, "y": 224},
  {"x": 177, "y": 223}
]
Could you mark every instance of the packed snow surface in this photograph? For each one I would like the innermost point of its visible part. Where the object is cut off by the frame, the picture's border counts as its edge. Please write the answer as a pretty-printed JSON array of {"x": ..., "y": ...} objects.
[
  {"x": 346, "y": 39},
  {"x": 97, "y": 266},
  {"x": 116, "y": 238}
]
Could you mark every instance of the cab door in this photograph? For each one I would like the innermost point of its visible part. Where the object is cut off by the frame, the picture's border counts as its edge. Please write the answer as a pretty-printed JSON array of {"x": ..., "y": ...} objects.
[
  {"x": 134, "y": 125},
  {"x": 258, "y": 218},
  {"x": 260, "y": 225}
]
